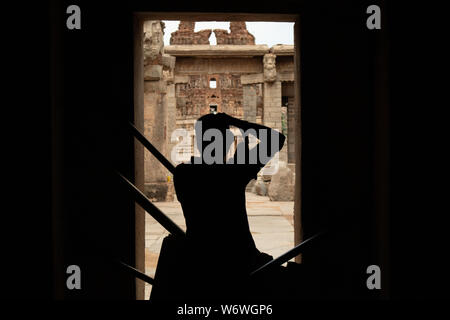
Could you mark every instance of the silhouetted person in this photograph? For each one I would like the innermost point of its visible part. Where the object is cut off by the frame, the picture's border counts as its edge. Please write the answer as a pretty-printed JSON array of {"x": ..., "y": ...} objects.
[{"x": 211, "y": 190}]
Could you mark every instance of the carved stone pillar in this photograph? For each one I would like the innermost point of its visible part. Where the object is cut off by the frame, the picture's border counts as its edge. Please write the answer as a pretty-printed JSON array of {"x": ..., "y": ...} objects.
[
  {"x": 272, "y": 105},
  {"x": 158, "y": 70},
  {"x": 281, "y": 183},
  {"x": 272, "y": 100},
  {"x": 170, "y": 106}
]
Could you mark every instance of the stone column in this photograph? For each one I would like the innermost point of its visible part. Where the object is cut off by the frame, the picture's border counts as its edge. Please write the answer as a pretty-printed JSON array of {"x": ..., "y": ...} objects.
[
  {"x": 249, "y": 109},
  {"x": 249, "y": 103},
  {"x": 155, "y": 111},
  {"x": 281, "y": 187},
  {"x": 170, "y": 106},
  {"x": 272, "y": 105},
  {"x": 272, "y": 112},
  {"x": 272, "y": 100}
]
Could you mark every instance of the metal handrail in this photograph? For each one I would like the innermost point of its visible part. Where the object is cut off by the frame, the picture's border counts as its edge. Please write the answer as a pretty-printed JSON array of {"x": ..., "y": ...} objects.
[
  {"x": 285, "y": 257},
  {"x": 147, "y": 144},
  {"x": 138, "y": 274},
  {"x": 152, "y": 210}
]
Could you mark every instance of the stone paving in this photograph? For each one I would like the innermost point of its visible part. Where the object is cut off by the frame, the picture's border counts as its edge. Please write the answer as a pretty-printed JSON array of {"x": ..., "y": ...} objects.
[{"x": 271, "y": 224}]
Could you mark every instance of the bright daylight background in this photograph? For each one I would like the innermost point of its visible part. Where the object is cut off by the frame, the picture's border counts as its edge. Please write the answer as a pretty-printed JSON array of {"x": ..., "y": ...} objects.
[{"x": 270, "y": 33}]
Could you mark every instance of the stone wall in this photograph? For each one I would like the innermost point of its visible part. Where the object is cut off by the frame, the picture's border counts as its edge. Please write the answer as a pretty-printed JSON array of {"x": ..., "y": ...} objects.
[
  {"x": 238, "y": 34},
  {"x": 186, "y": 35},
  {"x": 195, "y": 96}
]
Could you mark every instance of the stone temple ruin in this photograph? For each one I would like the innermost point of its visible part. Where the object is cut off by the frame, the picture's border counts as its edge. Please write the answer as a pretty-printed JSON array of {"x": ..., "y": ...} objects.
[{"x": 190, "y": 78}]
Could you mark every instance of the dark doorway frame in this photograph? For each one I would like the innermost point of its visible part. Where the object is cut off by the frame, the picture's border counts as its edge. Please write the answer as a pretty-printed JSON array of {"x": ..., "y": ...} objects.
[{"x": 345, "y": 116}]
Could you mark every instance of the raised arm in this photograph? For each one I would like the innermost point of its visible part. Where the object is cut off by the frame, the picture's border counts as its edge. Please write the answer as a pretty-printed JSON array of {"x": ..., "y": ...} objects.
[{"x": 265, "y": 134}]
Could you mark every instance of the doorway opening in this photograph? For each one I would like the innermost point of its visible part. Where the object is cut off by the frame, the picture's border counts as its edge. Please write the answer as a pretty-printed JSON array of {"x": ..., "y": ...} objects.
[{"x": 182, "y": 76}]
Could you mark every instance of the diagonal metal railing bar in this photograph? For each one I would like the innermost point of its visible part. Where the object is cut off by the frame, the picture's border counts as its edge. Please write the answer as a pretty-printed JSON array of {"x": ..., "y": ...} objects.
[
  {"x": 138, "y": 274},
  {"x": 151, "y": 209},
  {"x": 147, "y": 144},
  {"x": 285, "y": 257}
]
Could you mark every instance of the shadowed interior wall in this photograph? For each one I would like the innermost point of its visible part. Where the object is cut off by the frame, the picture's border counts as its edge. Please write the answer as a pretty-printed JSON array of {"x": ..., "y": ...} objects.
[
  {"x": 96, "y": 95},
  {"x": 139, "y": 150},
  {"x": 95, "y": 221}
]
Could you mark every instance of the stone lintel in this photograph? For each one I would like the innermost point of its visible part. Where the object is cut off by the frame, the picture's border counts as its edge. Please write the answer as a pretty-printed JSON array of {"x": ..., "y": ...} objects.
[
  {"x": 214, "y": 50},
  {"x": 252, "y": 78},
  {"x": 259, "y": 77},
  {"x": 285, "y": 76},
  {"x": 283, "y": 49}
]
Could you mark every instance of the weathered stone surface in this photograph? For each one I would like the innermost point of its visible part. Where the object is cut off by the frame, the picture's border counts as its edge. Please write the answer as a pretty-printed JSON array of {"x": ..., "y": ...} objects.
[
  {"x": 181, "y": 79},
  {"x": 171, "y": 121},
  {"x": 252, "y": 78},
  {"x": 282, "y": 185},
  {"x": 270, "y": 71},
  {"x": 168, "y": 61},
  {"x": 168, "y": 76},
  {"x": 285, "y": 76},
  {"x": 238, "y": 34},
  {"x": 196, "y": 96},
  {"x": 260, "y": 188},
  {"x": 283, "y": 49},
  {"x": 153, "y": 72},
  {"x": 250, "y": 186},
  {"x": 250, "y": 103},
  {"x": 272, "y": 104},
  {"x": 205, "y": 65},
  {"x": 219, "y": 50},
  {"x": 159, "y": 191},
  {"x": 159, "y": 108},
  {"x": 186, "y": 35},
  {"x": 154, "y": 87},
  {"x": 153, "y": 41}
]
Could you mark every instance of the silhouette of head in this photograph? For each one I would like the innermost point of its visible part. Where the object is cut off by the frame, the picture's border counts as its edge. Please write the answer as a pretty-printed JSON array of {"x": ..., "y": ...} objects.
[{"x": 215, "y": 123}]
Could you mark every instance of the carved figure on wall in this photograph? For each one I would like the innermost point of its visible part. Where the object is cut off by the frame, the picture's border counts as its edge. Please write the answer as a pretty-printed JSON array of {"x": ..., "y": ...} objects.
[
  {"x": 153, "y": 40},
  {"x": 270, "y": 71}
]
